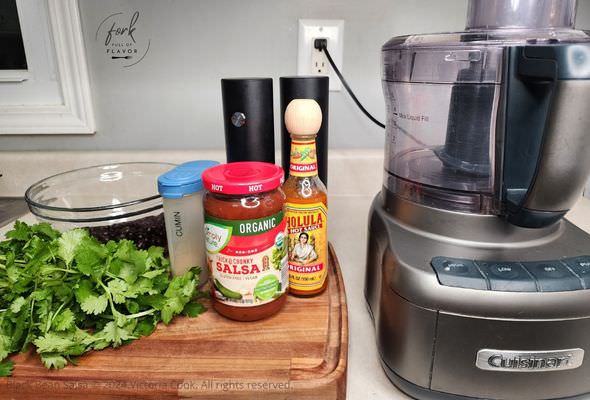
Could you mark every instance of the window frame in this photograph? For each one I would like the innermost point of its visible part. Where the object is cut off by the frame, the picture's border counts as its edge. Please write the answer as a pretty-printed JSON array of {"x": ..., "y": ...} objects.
[{"x": 64, "y": 47}]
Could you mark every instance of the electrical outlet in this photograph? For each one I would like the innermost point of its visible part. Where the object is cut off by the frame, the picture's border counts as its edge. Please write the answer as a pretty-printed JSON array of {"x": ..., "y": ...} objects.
[
  {"x": 319, "y": 63},
  {"x": 311, "y": 61}
]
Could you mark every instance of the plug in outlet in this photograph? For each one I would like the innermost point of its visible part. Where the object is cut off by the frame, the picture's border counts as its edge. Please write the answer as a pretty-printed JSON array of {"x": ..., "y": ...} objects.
[
  {"x": 311, "y": 61},
  {"x": 319, "y": 63}
]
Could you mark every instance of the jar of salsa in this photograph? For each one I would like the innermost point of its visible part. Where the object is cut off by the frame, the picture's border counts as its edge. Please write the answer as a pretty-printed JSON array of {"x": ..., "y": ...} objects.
[{"x": 245, "y": 239}]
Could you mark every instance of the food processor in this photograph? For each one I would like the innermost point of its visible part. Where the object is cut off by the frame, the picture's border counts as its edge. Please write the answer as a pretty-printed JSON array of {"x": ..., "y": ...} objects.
[{"x": 477, "y": 285}]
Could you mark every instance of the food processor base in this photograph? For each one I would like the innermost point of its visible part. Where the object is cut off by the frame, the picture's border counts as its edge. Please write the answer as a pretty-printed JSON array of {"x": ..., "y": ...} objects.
[
  {"x": 473, "y": 332},
  {"x": 422, "y": 393}
]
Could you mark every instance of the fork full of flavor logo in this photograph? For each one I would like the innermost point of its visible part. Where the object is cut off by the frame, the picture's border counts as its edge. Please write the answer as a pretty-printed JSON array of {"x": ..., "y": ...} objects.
[{"x": 122, "y": 38}]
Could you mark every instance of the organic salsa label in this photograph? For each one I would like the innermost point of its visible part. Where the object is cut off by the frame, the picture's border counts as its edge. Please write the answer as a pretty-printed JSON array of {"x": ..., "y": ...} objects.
[
  {"x": 308, "y": 246},
  {"x": 247, "y": 259}
]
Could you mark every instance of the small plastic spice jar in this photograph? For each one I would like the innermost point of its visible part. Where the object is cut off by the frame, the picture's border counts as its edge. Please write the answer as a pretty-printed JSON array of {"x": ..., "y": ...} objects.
[
  {"x": 182, "y": 190},
  {"x": 245, "y": 238}
]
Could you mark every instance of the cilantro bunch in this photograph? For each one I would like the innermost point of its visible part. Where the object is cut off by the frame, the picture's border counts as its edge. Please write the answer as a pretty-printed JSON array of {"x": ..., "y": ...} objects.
[{"x": 66, "y": 293}]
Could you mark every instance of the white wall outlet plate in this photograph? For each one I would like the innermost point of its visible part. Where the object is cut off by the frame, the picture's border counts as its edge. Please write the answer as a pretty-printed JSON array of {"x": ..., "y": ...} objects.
[{"x": 313, "y": 62}]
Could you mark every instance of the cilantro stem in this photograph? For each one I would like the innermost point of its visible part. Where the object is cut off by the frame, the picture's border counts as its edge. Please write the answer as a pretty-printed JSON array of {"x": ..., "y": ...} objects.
[
  {"x": 55, "y": 314},
  {"x": 111, "y": 304},
  {"x": 114, "y": 310},
  {"x": 141, "y": 314},
  {"x": 26, "y": 341},
  {"x": 3, "y": 258},
  {"x": 68, "y": 271}
]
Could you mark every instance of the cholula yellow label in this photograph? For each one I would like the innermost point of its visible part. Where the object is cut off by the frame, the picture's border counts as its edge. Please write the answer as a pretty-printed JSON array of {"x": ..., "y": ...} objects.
[
  {"x": 303, "y": 159},
  {"x": 308, "y": 245}
]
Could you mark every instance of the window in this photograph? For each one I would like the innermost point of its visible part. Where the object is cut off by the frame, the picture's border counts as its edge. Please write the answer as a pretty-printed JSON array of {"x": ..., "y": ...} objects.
[
  {"x": 12, "y": 56},
  {"x": 46, "y": 89}
]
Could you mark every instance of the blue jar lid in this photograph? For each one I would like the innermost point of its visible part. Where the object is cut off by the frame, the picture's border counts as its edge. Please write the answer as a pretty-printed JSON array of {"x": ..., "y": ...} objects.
[{"x": 184, "y": 179}]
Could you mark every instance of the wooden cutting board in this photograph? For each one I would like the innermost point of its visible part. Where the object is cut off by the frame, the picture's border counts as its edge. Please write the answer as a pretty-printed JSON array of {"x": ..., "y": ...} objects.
[{"x": 299, "y": 353}]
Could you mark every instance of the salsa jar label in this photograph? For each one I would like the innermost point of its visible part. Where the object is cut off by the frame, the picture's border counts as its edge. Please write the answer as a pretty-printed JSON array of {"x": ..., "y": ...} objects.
[
  {"x": 308, "y": 246},
  {"x": 247, "y": 259}
]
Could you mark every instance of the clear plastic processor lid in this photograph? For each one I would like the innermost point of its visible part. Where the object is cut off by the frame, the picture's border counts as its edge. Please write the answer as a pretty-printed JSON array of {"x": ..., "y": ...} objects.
[
  {"x": 492, "y": 25},
  {"x": 442, "y": 95}
]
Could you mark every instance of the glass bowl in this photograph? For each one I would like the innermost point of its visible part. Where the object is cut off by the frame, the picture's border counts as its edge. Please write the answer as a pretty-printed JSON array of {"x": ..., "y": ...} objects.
[{"x": 116, "y": 201}]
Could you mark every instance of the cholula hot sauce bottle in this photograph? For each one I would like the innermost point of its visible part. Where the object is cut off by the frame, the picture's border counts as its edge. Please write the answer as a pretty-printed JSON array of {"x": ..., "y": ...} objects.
[{"x": 306, "y": 208}]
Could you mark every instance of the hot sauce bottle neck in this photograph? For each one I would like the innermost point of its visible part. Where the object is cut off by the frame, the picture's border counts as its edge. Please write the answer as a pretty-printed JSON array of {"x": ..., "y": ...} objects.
[
  {"x": 303, "y": 160},
  {"x": 303, "y": 119},
  {"x": 306, "y": 138}
]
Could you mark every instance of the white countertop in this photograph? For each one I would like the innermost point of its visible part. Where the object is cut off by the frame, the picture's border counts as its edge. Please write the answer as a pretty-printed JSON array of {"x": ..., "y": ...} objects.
[
  {"x": 351, "y": 192},
  {"x": 348, "y": 234}
]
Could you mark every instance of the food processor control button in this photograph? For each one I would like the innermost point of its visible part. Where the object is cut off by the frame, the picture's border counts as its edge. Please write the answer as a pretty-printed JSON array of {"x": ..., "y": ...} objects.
[
  {"x": 456, "y": 267},
  {"x": 581, "y": 267},
  {"x": 553, "y": 276},
  {"x": 459, "y": 273},
  {"x": 504, "y": 271},
  {"x": 551, "y": 271},
  {"x": 506, "y": 276}
]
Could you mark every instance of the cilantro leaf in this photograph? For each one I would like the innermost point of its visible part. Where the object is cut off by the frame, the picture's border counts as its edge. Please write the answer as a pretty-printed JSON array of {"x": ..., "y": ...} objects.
[
  {"x": 64, "y": 321},
  {"x": 132, "y": 306},
  {"x": 193, "y": 309},
  {"x": 172, "y": 307},
  {"x": 89, "y": 300},
  {"x": 119, "y": 290},
  {"x": 21, "y": 231},
  {"x": 153, "y": 273},
  {"x": 133, "y": 260},
  {"x": 69, "y": 242},
  {"x": 5, "y": 345},
  {"x": 53, "y": 360},
  {"x": 66, "y": 293},
  {"x": 54, "y": 342},
  {"x": 94, "y": 304},
  {"x": 145, "y": 327},
  {"x": 6, "y": 368},
  {"x": 90, "y": 257},
  {"x": 141, "y": 286},
  {"x": 113, "y": 334},
  {"x": 17, "y": 304},
  {"x": 45, "y": 229}
]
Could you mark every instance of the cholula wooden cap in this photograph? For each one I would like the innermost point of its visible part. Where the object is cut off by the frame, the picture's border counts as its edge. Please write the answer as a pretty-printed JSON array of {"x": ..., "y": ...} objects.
[{"x": 303, "y": 117}]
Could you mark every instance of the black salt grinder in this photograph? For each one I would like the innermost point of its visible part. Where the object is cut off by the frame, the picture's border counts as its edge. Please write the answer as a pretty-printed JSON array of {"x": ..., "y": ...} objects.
[{"x": 249, "y": 119}]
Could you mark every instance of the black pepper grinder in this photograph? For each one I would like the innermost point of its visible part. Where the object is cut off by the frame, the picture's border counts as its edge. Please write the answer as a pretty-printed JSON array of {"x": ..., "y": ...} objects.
[
  {"x": 306, "y": 87},
  {"x": 249, "y": 119}
]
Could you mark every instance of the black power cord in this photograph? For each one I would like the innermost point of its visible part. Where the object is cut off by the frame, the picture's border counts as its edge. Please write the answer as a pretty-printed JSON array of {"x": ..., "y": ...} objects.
[{"x": 322, "y": 45}]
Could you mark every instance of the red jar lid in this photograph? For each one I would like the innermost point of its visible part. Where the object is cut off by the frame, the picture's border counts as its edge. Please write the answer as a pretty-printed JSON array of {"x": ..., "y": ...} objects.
[{"x": 245, "y": 177}]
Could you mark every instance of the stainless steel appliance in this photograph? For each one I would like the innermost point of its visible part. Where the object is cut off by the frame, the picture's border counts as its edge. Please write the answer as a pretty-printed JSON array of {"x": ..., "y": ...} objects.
[{"x": 477, "y": 285}]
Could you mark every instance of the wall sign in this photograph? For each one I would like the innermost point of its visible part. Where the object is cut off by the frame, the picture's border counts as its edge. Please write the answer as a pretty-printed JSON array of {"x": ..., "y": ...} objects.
[{"x": 123, "y": 40}]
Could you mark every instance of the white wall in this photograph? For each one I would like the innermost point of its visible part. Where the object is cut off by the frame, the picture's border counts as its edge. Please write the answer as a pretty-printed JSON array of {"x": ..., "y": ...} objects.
[{"x": 172, "y": 99}]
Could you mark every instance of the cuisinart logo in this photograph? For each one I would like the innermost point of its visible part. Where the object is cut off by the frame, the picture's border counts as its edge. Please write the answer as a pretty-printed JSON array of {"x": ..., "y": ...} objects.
[{"x": 529, "y": 361}]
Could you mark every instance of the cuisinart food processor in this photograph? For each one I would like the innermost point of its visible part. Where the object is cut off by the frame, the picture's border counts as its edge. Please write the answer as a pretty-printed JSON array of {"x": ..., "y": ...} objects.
[{"x": 477, "y": 285}]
